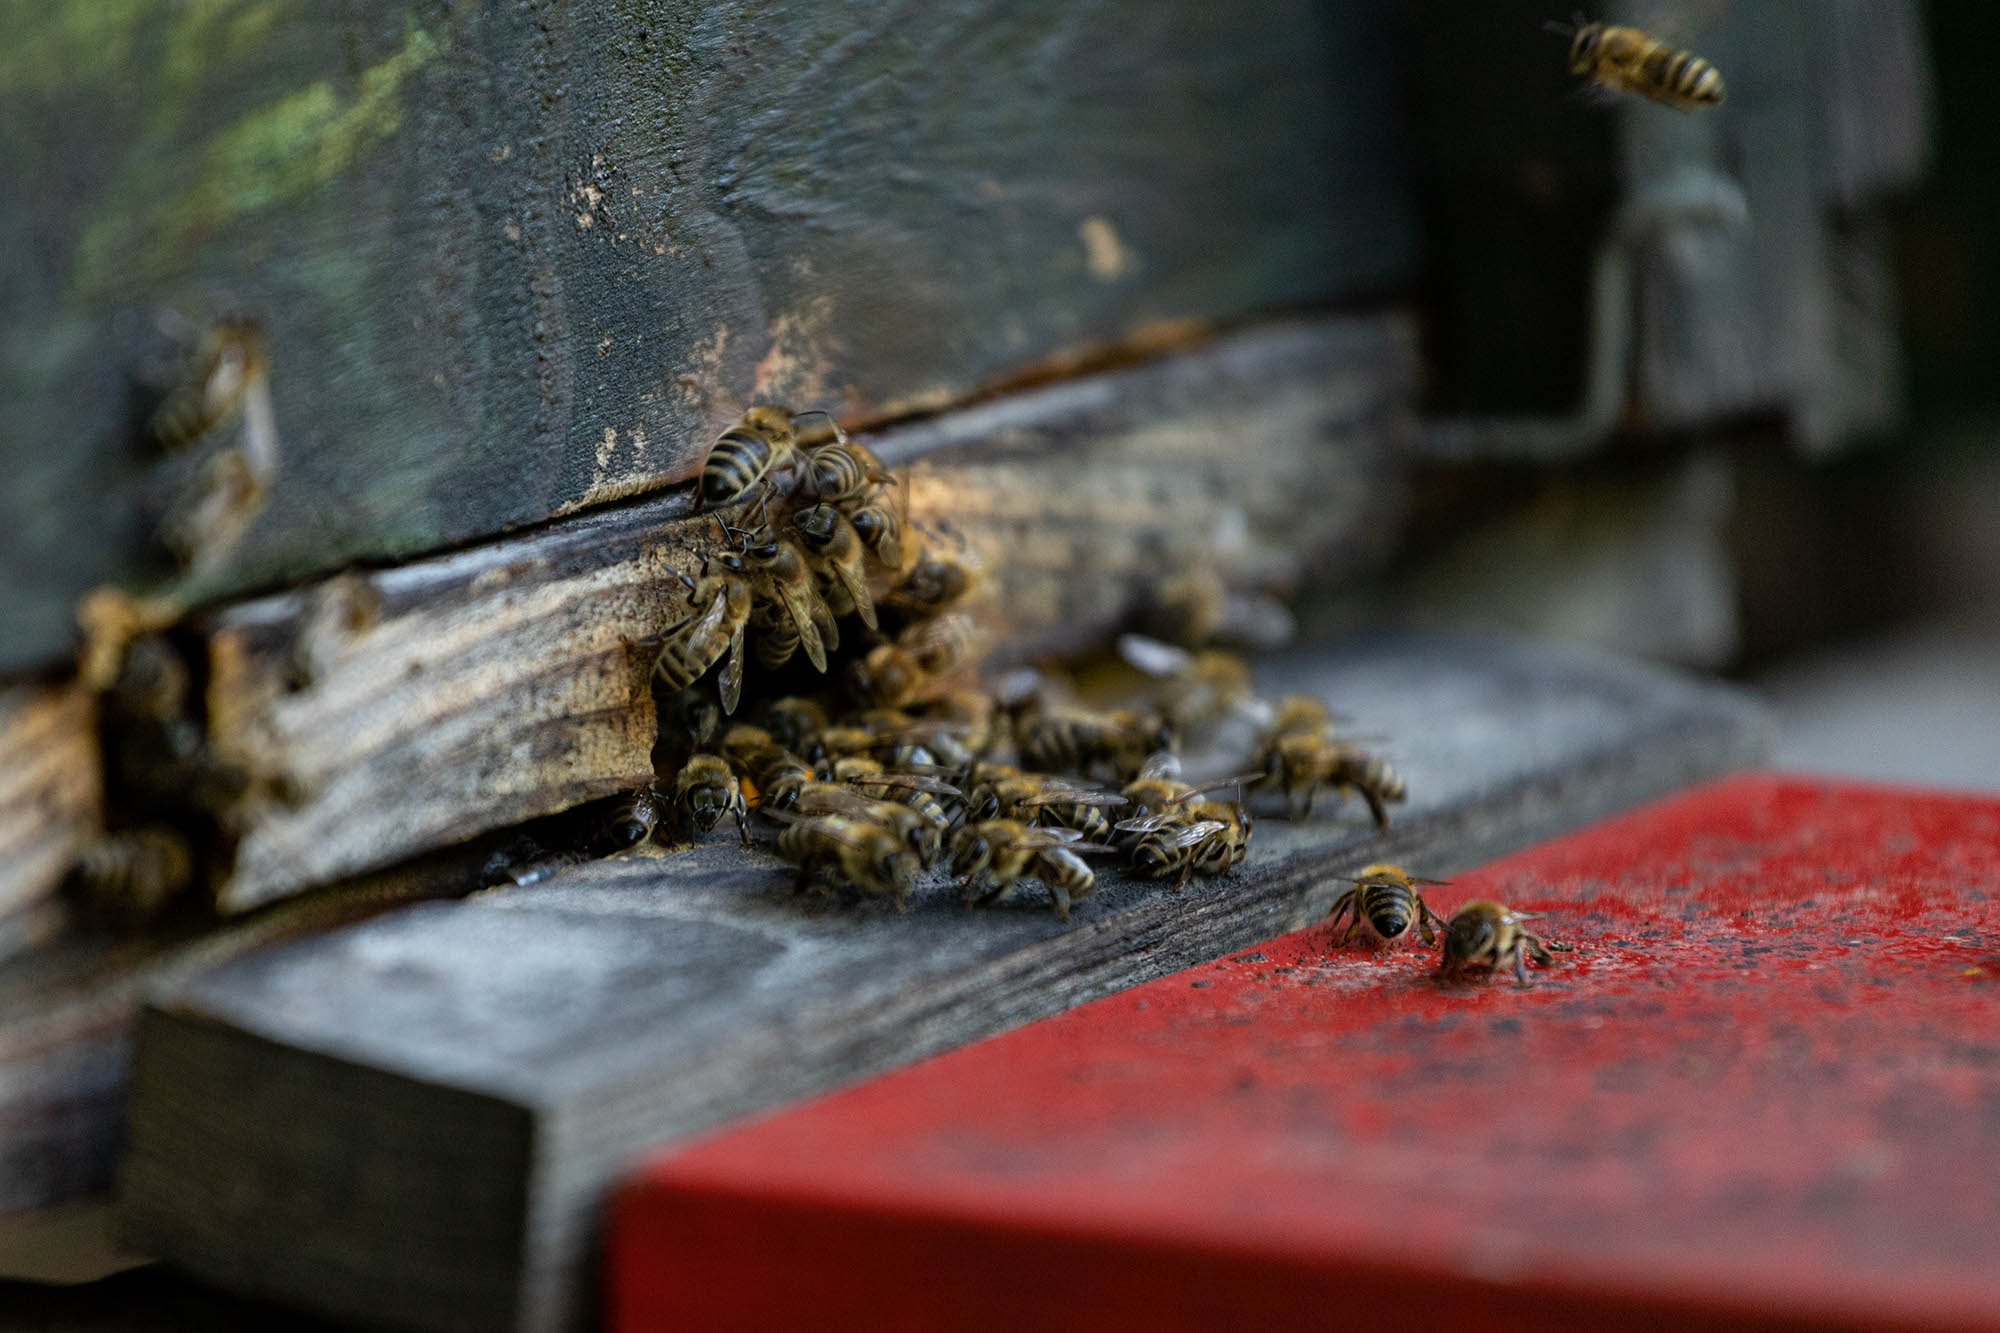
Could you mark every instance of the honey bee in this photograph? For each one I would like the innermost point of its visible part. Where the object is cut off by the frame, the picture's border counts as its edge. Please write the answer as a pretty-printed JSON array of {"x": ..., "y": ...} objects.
[
  {"x": 922, "y": 835},
  {"x": 775, "y": 773},
  {"x": 1172, "y": 842},
  {"x": 631, "y": 821},
  {"x": 1487, "y": 936},
  {"x": 918, "y": 791},
  {"x": 721, "y": 602},
  {"x": 124, "y": 880},
  {"x": 1307, "y": 763},
  {"x": 1159, "y": 785},
  {"x": 762, "y": 442},
  {"x": 1385, "y": 899},
  {"x": 703, "y": 792},
  {"x": 1074, "y": 740},
  {"x": 836, "y": 552},
  {"x": 879, "y": 527},
  {"x": 859, "y": 853},
  {"x": 1046, "y": 801},
  {"x": 1628, "y": 60},
  {"x": 891, "y": 675},
  {"x": 227, "y": 366},
  {"x": 789, "y": 614},
  {"x": 975, "y": 723},
  {"x": 796, "y": 724},
  {"x": 1197, "y": 690},
  {"x": 938, "y": 581},
  {"x": 839, "y": 471},
  {"x": 995, "y": 855}
]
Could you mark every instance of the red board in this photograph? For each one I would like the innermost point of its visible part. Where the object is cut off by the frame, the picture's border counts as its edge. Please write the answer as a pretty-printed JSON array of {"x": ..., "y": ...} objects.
[{"x": 1764, "y": 1090}]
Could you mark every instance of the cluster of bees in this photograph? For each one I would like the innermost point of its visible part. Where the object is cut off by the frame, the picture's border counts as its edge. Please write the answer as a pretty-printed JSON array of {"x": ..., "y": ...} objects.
[
  {"x": 897, "y": 770},
  {"x": 1482, "y": 938}
]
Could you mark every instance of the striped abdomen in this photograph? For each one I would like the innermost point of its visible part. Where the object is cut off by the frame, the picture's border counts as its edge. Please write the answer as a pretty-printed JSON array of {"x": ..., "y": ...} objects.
[
  {"x": 1390, "y": 909},
  {"x": 777, "y": 636},
  {"x": 739, "y": 460},
  {"x": 1678, "y": 78},
  {"x": 838, "y": 472}
]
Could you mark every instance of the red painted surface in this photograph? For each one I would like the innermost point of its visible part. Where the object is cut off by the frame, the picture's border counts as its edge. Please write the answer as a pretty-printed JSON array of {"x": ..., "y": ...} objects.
[{"x": 1764, "y": 1090}]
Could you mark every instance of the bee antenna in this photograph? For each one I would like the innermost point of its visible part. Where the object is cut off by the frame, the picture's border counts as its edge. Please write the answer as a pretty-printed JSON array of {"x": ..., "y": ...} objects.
[{"x": 682, "y": 575}]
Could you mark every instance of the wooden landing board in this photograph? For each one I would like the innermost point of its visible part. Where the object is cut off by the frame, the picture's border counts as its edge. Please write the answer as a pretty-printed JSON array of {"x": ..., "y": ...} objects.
[
  {"x": 415, "y": 1120},
  {"x": 515, "y": 260},
  {"x": 412, "y": 708},
  {"x": 1760, "y": 1093}
]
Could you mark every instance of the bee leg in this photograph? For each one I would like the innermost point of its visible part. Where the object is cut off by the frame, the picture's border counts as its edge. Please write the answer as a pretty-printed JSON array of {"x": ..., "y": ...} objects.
[
  {"x": 1312, "y": 794},
  {"x": 743, "y": 822},
  {"x": 1376, "y": 808},
  {"x": 1186, "y": 870},
  {"x": 1351, "y": 928},
  {"x": 987, "y": 894},
  {"x": 1060, "y": 901},
  {"x": 1521, "y": 968}
]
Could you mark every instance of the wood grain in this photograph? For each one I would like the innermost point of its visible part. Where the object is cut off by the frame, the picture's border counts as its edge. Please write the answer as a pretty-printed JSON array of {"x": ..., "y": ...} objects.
[
  {"x": 414, "y": 1121},
  {"x": 513, "y": 260},
  {"x": 51, "y": 803},
  {"x": 398, "y": 711}
]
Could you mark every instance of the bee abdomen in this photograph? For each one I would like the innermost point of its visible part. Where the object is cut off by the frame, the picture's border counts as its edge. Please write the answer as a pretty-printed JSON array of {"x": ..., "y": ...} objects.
[
  {"x": 739, "y": 461},
  {"x": 1684, "y": 76}
]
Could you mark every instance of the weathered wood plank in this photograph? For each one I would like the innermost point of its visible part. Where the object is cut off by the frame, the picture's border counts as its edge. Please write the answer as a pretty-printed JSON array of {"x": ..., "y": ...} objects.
[
  {"x": 51, "y": 802},
  {"x": 296, "y": 1126},
  {"x": 517, "y": 259},
  {"x": 67, "y": 1012},
  {"x": 402, "y": 710}
]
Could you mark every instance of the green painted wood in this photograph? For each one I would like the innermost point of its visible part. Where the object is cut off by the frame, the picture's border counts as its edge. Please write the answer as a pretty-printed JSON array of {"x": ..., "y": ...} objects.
[{"x": 516, "y": 259}]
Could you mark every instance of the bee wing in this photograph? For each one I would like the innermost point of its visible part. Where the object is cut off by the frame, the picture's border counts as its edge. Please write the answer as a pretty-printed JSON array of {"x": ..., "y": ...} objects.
[
  {"x": 1195, "y": 832},
  {"x": 1075, "y": 796},
  {"x": 824, "y": 826},
  {"x": 803, "y": 610},
  {"x": 914, "y": 782},
  {"x": 1217, "y": 784},
  {"x": 953, "y": 631},
  {"x": 1430, "y": 883},
  {"x": 856, "y": 587},
  {"x": 731, "y": 679},
  {"x": 1152, "y": 656},
  {"x": 1164, "y": 764},
  {"x": 838, "y": 800}
]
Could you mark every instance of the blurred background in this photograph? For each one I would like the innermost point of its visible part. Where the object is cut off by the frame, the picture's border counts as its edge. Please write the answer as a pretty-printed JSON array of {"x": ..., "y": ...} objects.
[{"x": 1831, "y": 535}]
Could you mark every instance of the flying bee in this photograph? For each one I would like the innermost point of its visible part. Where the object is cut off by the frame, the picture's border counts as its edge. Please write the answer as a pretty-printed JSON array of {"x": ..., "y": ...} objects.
[
  {"x": 835, "y": 550},
  {"x": 1487, "y": 936},
  {"x": 1197, "y": 690},
  {"x": 1628, "y": 60},
  {"x": 859, "y": 853},
  {"x": 1083, "y": 742},
  {"x": 703, "y": 792},
  {"x": 1385, "y": 899},
  {"x": 796, "y": 724},
  {"x": 1307, "y": 763},
  {"x": 227, "y": 366},
  {"x": 761, "y": 443},
  {"x": 721, "y": 602},
  {"x": 124, "y": 880},
  {"x": 996, "y": 854},
  {"x": 893, "y": 674}
]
